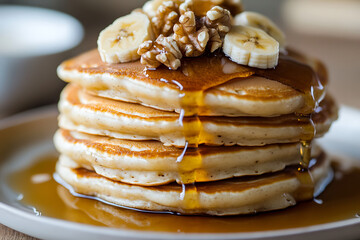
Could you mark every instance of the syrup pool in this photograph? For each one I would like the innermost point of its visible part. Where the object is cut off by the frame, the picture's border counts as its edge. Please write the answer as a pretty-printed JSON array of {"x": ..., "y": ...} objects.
[{"x": 39, "y": 191}]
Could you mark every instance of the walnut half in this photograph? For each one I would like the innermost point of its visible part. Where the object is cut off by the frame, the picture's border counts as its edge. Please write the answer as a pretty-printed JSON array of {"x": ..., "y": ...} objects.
[
  {"x": 218, "y": 21},
  {"x": 166, "y": 16},
  {"x": 163, "y": 51},
  {"x": 192, "y": 42}
]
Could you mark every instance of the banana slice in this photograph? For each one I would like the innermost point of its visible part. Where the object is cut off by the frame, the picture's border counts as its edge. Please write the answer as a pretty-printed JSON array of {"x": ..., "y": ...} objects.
[
  {"x": 253, "y": 19},
  {"x": 251, "y": 46},
  {"x": 119, "y": 42}
]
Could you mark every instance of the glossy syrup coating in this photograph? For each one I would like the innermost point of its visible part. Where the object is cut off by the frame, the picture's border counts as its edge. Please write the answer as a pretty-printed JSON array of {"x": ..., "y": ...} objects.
[{"x": 338, "y": 202}]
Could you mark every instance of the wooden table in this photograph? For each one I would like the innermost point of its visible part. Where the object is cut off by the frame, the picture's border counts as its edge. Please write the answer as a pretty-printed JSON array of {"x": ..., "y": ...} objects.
[
  {"x": 9, "y": 234},
  {"x": 341, "y": 58}
]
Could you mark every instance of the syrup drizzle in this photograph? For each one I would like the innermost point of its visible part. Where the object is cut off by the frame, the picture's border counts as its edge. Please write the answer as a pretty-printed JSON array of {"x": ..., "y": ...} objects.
[
  {"x": 189, "y": 163},
  {"x": 196, "y": 75},
  {"x": 287, "y": 72},
  {"x": 290, "y": 71}
]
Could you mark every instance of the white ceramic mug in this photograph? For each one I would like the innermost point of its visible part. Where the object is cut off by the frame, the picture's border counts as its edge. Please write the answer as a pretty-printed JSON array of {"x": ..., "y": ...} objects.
[{"x": 33, "y": 41}]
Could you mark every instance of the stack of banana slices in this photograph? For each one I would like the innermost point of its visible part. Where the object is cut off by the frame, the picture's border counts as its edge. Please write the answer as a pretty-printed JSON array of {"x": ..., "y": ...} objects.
[{"x": 222, "y": 135}]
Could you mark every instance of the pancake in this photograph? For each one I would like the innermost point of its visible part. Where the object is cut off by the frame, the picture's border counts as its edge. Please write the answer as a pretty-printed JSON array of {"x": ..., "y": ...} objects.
[
  {"x": 83, "y": 112},
  {"x": 151, "y": 163},
  {"x": 227, "y": 197},
  {"x": 170, "y": 126},
  {"x": 204, "y": 85}
]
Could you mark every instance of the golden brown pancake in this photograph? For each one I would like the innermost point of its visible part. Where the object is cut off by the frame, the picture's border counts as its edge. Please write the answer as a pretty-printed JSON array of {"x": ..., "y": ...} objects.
[
  {"x": 84, "y": 112},
  {"x": 242, "y": 195},
  {"x": 229, "y": 89},
  {"x": 151, "y": 163}
]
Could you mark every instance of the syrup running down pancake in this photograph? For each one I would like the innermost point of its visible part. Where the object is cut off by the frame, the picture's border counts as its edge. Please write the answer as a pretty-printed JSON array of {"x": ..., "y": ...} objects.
[
  {"x": 83, "y": 112},
  {"x": 110, "y": 137},
  {"x": 202, "y": 85},
  {"x": 151, "y": 163},
  {"x": 227, "y": 197}
]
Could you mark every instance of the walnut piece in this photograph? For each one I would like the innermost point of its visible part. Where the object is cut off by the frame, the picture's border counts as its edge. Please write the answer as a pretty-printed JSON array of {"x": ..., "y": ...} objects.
[
  {"x": 186, "y": 6},
  {"x": 182, "y": 33},
  {"x": 215, "y": 41},
  {"x": 148, "y": 54},
  {"x": 191, "y": 41},
  {"x": 218, "y": 21},
  {"x": 166, "y": 16},
  {"x": 163, "y": 51}
]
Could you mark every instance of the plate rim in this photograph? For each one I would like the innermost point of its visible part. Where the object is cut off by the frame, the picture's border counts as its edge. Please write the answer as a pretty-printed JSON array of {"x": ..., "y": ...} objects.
[{"x": 113, "y": 232}]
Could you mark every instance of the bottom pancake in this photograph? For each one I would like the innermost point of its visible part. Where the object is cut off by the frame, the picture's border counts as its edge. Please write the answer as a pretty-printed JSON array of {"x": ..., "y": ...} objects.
[{"x": 243, "y": 195}]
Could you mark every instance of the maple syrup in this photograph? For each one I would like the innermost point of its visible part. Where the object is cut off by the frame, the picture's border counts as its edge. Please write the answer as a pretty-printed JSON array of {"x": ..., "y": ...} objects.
[
  {"x": 46, "y": 197},
  {"x": 198, "y": 74},
  {"x": 289, "y": 71}
]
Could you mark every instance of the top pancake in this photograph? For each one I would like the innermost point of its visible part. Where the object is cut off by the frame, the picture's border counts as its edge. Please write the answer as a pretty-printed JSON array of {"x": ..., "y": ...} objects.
[{"x": 207, "y": 85}]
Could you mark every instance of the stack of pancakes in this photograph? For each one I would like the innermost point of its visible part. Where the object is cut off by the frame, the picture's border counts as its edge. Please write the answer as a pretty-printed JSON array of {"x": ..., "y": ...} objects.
[{"x": 210, "y": 138}]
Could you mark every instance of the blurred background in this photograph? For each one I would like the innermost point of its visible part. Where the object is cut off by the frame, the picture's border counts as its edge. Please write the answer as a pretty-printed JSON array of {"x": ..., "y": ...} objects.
[{"x": 326, "y": 29}]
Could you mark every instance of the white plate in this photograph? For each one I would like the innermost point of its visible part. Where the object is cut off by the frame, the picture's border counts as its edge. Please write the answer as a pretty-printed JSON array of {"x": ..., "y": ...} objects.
[{"x": 28, "y": 135}]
